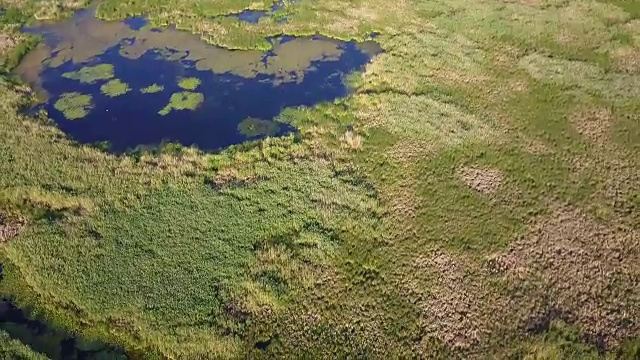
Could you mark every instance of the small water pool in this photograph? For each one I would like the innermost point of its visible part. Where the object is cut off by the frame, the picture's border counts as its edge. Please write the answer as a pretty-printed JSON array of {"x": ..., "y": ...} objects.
[
  {"x": 254, "y": 16},
  {"x": 125, "y": 84},
  {"x": 54, "y": 343}
]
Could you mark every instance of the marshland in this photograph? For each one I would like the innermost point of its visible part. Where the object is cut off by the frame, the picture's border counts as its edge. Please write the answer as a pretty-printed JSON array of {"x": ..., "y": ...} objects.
[{"x": 319, "y": 179}]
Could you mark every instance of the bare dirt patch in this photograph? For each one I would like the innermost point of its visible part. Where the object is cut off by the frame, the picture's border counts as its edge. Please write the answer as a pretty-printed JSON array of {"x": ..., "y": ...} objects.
[
  {"x": 627, "y": 59},
  {"x": 457, "y": 308},
  {"x": 593, "y": 124},
  {"x": 579, "y": 270},
  {"x": 7, "y": 42},
  {"x": 404, "y": 204},
  {"x": 483, "y": 180},
  {"x": 9, "y": 228},
  {"x": 408, "y": 151}
]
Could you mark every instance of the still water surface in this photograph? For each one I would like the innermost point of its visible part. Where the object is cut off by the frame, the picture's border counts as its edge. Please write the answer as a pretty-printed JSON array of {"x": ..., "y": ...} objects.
[{"x": 237, "y": 96}]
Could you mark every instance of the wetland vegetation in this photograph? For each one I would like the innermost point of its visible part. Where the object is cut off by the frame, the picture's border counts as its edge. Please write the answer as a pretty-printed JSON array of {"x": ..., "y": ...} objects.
[
  {"x": 115, "y": 88},
  {"x": 74, "y": 105},
  {"x": 469, "y": 192},
  {"x": 190, "y": 83},
  {"x": 152, "y": 89},
  {"x": 184, "y": 100},
  {"x": 91, "y": 74}
]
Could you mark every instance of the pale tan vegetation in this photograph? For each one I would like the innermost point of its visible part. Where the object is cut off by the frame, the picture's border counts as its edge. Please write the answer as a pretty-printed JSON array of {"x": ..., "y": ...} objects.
[
  {"x": 483, "y": 180},
  {"x": 10, "y": 228},
  {"x": 586, "y": 271}
]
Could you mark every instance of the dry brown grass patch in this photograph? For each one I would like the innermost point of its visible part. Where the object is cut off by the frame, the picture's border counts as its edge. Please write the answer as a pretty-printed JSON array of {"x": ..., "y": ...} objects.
[
  {"x": 351, "y": 140},
  {"x": 448, "y": 76},
  {"x": 593, "y": 124},
  {"x": 7, "y": 42},
  {"x": 627, "y": 59},
  {"x": 456, "y": 306},
  {"x": 10, "y": 228},
  {"x": 586, "y": 271},
  {"x": 403, "y": 204},
  {"x": 406, "y": 151},
  {"x": 535, "y": 3},
  {"x": 483, "y": 180}
]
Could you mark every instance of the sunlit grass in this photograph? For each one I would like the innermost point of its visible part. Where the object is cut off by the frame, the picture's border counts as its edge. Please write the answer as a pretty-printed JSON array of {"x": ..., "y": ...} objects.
[
  {"x": 91, "y": 74},
  {"x": 152, "y": 89},
  {"x": 74, "y": 105},
  {"x": 14, "y": 349},
  {"x": 189, "y": 83},
  {"x": 115, "y": 88},
  {"x": 333, "y": 242},
  {"x": 182, "y": 101}
]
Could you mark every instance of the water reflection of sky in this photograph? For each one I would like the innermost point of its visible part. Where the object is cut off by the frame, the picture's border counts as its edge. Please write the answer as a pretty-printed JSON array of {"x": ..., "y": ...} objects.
[{"x": 236, "y": 84}]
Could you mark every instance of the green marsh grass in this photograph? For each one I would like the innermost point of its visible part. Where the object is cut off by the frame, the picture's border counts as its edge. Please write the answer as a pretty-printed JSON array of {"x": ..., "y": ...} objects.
[
  {"x": 115, "y": 88},
  {"x": 306, "y": 245},
  {"x": 182, "y": 101},
  {"x": 152, "y": 89},
  {"x": 74, "y": 105},
  {"x": 14, "y": 349},
  {"x": 252, "y": 127},
  {"x": 189, "y": 83},
  {"x": 91, "y": 74}
]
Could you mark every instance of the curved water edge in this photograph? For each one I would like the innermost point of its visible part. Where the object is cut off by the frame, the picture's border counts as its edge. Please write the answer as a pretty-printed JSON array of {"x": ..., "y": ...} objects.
[
  {"x": 54, "y": 343},
  {"x": 129, "y": 85},
  {"x": 94, "y": 75}
]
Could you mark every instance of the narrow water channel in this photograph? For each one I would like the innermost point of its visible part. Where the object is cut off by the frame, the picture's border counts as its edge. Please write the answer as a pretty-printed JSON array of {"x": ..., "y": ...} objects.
[{"x": 53, "y": 343}]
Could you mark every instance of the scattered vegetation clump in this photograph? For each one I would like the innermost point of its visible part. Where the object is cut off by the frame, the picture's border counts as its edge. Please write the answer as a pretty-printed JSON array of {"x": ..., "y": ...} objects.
[
  {"x": 152, "y": 89},
  {"x": 13, "y": 46},
  {"x": 74, "y": 105},
  {"x": 251, "y": 127},
  {"x": 352, "y": 140},
  {"x": 440, "y": 237},
  {"x": 189, "y": 83},
  {"x": 569, "y": 244},
  {"x": 91, "y": 74},
  {"x": 9, "y": 228},
  {"x": 182, "y": 101},
  {"x": 6, "y": 42},
  {"x": 115, "y": 88},
  {"x": 485, "y": 181},
  {"x": 14, "y": 349}
]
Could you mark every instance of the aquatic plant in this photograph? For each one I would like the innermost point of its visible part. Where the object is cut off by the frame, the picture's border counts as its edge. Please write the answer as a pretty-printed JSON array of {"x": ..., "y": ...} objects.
[
  {"x": 152, "y": 89},
  {"x": 182, "y": 101},
  {"x": 252, "y": 127},
  {"x": 91, "y": 74},
  {"x": 189, "y": 83},
  {"x": 11, "y": 348},
  {"x": 115, "y": 88},
  {"x": 244, "y": 240},
  {"x": 74, "y": 105}
]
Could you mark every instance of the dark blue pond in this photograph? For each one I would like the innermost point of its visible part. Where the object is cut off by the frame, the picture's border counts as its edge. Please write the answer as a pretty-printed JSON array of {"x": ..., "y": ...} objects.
[
  {"x": 254, "y": 16},
  {"x": 235, "y": 85}
]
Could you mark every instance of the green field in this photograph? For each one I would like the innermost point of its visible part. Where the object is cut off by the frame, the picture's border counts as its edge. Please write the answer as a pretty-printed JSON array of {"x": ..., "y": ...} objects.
[{"x": 477, "y": 195}]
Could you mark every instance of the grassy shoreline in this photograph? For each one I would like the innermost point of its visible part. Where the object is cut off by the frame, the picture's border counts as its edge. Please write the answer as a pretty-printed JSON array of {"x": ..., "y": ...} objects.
[{"x": 476, "y": 151}]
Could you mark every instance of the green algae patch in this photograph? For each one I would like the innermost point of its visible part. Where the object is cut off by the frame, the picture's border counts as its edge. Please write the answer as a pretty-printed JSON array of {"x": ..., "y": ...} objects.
[
  {"x": 91, "y": 74},
  {"x": 115, "y": 88},
  {"x": 252, "y": 127},
  {"x": 182, "y": 101},
  {"x": 152, "y": 89},
  {"x": 74, "y": 105},
  {"x": 190, "y": 83}
]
